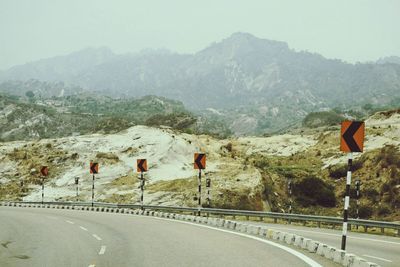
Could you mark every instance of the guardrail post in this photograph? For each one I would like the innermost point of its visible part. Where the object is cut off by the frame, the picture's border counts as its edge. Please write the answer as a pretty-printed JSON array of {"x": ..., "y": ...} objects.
[
  {"x": 261, "y": 218},
  {"x": 275, "y": 220},
  {"x": 319, "y": 224},
  {"x": 365, "y": 228},
  {"x": 398, "y": 232},
  {"x": 382, "y": 230}
]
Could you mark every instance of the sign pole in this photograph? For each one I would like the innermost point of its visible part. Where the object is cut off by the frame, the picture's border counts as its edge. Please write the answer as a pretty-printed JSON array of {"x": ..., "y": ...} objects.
[
  {"x": 199, "y": 199},
  {"x": 42, "y": 189},
  {"x": 93, "y": 191},
  {"x": 77, "y": 188},
  {"x": 141, "y": 190},
  {"x": 208, "y": 184},
  {"x": 346, "y": 201},
  {"x": 290, "y": 197},
  {"x": 200, "y": 164},
  {"x": 358, "y": 183},
  {"x": 141, "y": 165}
]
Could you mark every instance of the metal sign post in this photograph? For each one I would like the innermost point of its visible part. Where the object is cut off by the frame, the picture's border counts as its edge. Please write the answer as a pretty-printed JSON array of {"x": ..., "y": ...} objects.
[
  {"x": 346, "y": 201},
  {"x": 200, "y": 164},
  {"x": 21, "y": 183},
  {"x": 358, "y": 184},
  {"x": 93, "y": 191},
  {"x": 141, "y": 190},
  {"x": 44, "y": 171},
  {"x": 199, "y": 193},
  {"x": 94, "y": 169},
  {"x": 290, "y": 197},
  {"x": 141, "y": 166},
  {"x": 77, "y": 188},
  {"x": 352, "y": 140},
  {"x": 208, "y": 185},
  {"x": 42, "y": 190}
]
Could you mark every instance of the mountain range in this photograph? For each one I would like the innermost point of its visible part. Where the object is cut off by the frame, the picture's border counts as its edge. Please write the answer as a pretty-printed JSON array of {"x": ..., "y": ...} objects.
[{"x": 256, "y": 85}]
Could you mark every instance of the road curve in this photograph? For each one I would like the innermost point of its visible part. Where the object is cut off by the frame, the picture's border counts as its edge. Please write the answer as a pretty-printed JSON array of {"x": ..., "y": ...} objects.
[{"x": 48, "y": 237}]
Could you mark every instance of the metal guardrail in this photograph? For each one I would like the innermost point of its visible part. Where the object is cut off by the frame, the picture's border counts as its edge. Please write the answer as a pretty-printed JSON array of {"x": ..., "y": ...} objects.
[{"x": 228, "y": 212}]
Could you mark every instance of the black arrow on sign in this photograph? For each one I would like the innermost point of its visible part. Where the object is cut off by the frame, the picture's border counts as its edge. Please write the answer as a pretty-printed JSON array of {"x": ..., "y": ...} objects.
[
  {"x": 198, "y": 161},
  {"x": 93, "y": 168},
  {"x": 140, "y": 165},
  {"x": 348, "y": 136}
]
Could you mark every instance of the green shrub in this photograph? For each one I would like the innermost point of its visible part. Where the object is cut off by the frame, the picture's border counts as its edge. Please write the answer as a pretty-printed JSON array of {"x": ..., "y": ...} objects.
[
  {"x": 313, "y": 191},
  {"x": 365, "y": 211},
  {"x": 340, "y": 171},
  {"x": 371, "y": 194},
  {"x": 388, "y": 156},
  {"x": 384, "y": 210},
  {"x": 324, "y": 118}
]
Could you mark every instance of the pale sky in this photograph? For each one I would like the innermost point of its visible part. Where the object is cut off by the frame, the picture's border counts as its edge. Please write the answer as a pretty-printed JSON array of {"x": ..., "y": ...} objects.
[{"x": 351, "y": 30}]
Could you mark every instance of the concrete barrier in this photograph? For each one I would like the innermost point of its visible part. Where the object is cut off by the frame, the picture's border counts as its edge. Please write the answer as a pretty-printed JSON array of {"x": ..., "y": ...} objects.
[
  {"x": 270, "y": 234},
  {"x": 221, "y": 222},
  {"x": 329, "y": 252},
  {"x": 348, "y": 259},
  {"x": 305, "y": 242},
  {"x": 238, "y": 226},
  {"x": 321, "y": 249},
  {"x": 249, "y": 228},
  {"x": 298, "y": 240},
  {"x": 281, "y": 236},
  {"x": 289, "y": 238},
  {"x": 275, "y": 235},
  {"x": 312, "y": 246},
  {"x": 338, "y": 256},
  {"x": 360, "y": 262},
  {"x": 255, "y": 230},
  {"x": 244, "y": 228}
]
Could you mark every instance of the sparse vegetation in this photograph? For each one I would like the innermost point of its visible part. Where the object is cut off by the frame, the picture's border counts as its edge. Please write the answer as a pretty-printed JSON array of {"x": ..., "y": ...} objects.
[
  {"x": 314, "y": 191},
  {"x": 323, "y": 118}
]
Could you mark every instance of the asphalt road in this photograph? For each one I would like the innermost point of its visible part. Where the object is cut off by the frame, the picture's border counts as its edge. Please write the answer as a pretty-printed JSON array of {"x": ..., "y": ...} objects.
[
  {"x": 383, "y": 250},
  {"x": 48, "y": 237}
]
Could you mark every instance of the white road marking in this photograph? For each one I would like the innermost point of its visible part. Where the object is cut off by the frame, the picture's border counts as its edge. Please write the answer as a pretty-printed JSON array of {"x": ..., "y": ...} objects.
[
  {"x": 96, "y": 236},
  {"x": 299, "y": 255},
  {"x": 377, "y": 258},
  {"x": 83, "y": 228},
  {"x": 322, "y": 233},
  {"x": 70, "y": 222},
  {"x": 92, "y": 265},
  {"x": 102, "y": 250}
]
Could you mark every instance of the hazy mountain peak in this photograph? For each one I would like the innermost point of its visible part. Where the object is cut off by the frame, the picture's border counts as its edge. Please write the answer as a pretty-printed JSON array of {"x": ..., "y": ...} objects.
[
  {"x": 241, "y": 44},
  {"x": 390, "y": 60}
]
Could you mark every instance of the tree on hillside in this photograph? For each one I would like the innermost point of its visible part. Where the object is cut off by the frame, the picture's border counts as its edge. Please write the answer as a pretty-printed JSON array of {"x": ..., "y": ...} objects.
[{"x": 30, "y": 94}]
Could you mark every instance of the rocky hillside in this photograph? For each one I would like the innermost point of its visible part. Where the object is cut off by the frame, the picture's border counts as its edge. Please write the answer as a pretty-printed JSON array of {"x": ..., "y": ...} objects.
[
  {"x": 255, "y": 85},
  {"x": 31, "y": 117},
  {"x": 246, "y": 172}
]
